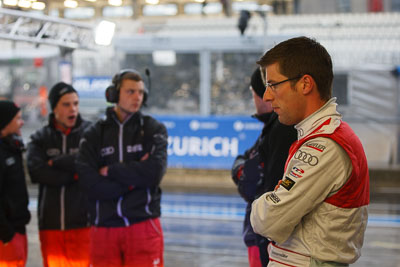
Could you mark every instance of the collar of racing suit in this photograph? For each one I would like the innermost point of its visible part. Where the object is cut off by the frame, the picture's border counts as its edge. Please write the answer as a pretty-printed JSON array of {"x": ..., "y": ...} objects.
[{"x": 312, "y": 122}]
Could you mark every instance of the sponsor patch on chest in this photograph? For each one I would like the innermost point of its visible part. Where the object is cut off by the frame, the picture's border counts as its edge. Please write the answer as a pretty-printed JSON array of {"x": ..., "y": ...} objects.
[
  {"x": 306, "y": 157},
  {"x": 10, "y": 161},
  {"x": 274, "y": 198},
  {"x": 52, "y": 152},
  {"x": 287, "y": 183},
  {"x": 134, "y": 148},
  {"x": 106, "y": 151},
  {"x": 316, "y": 146},
  {"x": 296, "y": 172}
]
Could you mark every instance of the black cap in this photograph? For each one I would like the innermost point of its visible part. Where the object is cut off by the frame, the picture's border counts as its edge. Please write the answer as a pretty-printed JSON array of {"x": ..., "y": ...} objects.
[
  {"x": 8, "y": 110},
  {"x": 57, "y": 91},
  {"x": 257, "y": 83}
]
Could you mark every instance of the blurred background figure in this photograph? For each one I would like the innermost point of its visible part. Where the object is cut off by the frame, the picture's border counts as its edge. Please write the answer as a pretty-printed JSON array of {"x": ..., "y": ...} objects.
[
  {"x": 62, "y": 214},
  {"x": 121, "y": 162},
  {"x": 260, "y": 168},
  {"x": 14, "y": 213}
]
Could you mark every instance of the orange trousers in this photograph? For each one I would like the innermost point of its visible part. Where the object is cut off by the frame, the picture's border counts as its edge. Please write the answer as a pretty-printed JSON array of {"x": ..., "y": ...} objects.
[
  {"x": 68, "y": 248},
  {"x": 138, "y": 245},
  {"x": 15, "y": 252}
]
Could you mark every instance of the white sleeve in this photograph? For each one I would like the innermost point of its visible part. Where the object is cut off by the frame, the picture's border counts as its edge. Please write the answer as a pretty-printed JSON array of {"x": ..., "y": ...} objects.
[{"x": 318, "y": 169}]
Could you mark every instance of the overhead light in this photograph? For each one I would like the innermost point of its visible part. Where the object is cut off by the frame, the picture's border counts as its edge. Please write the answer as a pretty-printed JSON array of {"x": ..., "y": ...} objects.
[
  {"x": 104, "y": 32},
  {"x": 10, "y": 2},
  {"x": 90, "y": 0},
  {"x": 38, "y": 5},
  {"x": 199, "y": 1},
  {"x": 70, "y": 3},
  {"x": 152, "y": 2},
  {"x": 115, "y": 2},
  {"x": 24, "y": 3},
  {"x": 164, "y": 57}
]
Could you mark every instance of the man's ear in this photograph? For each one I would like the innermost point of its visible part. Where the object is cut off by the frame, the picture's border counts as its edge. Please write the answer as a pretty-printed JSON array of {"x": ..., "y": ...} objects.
[{"x": 308, "y": 84}]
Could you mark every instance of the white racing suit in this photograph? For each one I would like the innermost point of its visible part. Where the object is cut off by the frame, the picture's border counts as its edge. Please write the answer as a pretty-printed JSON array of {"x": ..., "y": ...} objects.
[{"x": 318, "y": 213}]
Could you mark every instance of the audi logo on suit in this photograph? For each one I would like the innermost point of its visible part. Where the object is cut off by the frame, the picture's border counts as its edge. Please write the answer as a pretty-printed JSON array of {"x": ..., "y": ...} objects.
[{"x": 306, "y": 157}]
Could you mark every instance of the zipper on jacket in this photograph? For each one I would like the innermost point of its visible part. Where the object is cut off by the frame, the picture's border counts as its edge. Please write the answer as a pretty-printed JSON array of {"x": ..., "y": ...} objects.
[
  {"x": 96, "y": 220},
  {"x": 121, "y": 159},
  {"x": 147, "y": 207},
  {"x": 120, "y": 142},
  {"x": 62, "y": 195},
  {"x": 41, "y": 210}
]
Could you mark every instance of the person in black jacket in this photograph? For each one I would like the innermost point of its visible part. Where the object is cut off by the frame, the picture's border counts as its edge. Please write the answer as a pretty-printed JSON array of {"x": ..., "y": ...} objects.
[
  {"x": 14, "y": 213},
  {"x": 121, "y": 162},
  {"x": 62, "y": 207},
  {"x": 260, "y": 168}
]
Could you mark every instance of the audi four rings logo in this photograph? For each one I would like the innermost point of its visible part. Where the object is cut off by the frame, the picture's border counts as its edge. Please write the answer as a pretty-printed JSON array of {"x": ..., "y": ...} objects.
[{"x": 306, "y": 157}]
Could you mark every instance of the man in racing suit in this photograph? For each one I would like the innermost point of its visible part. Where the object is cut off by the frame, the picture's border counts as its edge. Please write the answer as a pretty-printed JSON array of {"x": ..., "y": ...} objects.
[
  {"x": 14, "y": 213},
  {"x": 317, "y": 214},
  {"x": 121, "y": 162},
  {"x": 259, "y": 169},
  {"x": 62, "y": 206}
]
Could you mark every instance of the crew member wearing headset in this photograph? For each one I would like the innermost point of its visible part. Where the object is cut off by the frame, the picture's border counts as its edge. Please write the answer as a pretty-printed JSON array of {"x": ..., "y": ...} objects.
[
  {"x": 62, "y": 206},
  {"x": 317, "y": 214},
  {"x": 14, "y": 213},
  {"x": 121, "y": 162}
]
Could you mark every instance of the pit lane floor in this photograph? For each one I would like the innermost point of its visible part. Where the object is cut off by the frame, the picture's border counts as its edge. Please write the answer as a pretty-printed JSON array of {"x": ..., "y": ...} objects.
[{"x": 203, "y": 230}]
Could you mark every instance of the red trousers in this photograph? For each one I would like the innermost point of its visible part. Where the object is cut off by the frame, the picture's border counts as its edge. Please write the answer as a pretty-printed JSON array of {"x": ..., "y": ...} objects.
[
  {"x": 138, "y": 245},
  {"x": 254, "y": 256},
  {"x": 15, "y": 252},
  {"x": 68, "y": 248}
]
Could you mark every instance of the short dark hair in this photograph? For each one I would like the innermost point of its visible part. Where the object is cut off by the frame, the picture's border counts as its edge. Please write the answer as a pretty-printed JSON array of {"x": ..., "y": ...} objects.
[
  {"x": 299, "y": 56},
  {"x": 130, "y": 75}
]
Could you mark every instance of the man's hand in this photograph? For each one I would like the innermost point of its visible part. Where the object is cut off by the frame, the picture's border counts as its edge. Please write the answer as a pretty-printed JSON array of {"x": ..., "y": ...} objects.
[
  {"x": 103, "y": 171},
  {"x": 146, "y": 156}
]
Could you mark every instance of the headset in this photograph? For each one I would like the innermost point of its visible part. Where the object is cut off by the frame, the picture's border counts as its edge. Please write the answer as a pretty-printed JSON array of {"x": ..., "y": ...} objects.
[{"x": 112, "y": 91}]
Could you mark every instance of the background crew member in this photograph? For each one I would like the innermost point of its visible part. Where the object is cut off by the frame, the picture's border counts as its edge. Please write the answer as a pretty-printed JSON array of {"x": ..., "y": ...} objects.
[
  {"x": 259, "y": 169},
  {"x": 121, "y": 162},
  {"x": 317, "y": 214},
  {"x": 62, "y": 213},
  {"x": 14, "y": 213}
]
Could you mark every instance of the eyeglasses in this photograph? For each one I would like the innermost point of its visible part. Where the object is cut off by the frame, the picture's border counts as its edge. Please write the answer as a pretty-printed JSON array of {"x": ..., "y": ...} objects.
[{"x": 273, "y": 85}]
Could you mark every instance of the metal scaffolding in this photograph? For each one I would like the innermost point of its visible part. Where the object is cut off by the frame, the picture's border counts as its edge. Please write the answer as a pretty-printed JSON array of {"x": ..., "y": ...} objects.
[{"x": 41, "y": 29}]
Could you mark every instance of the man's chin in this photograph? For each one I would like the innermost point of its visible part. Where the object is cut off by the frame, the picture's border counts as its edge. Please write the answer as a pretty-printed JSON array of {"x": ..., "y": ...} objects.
[{"x": 71, "y": 124}]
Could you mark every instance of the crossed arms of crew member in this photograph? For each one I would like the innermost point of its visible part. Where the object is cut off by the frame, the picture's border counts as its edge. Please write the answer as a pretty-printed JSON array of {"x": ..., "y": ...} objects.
[{"x": 104, "y": 180}]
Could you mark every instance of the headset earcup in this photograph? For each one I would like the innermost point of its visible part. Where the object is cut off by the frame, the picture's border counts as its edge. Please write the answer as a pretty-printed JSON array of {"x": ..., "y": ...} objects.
[{"x": 112, "y": 94}]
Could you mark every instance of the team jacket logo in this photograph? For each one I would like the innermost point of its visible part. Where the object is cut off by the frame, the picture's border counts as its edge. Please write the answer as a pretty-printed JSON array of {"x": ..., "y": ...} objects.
[
  {"x": 73, "y": 151},
  {"x": 52, "y": 152},
  {"x": 287, "y": 183},
  {"x": 10, "y": 161},
  {"x": 134, "y": 148},
  {"x": 296, "y": 172},
  {"x": 107, "y": 151},
  {"x": 316, "y": 146},
  {"x": 306, "y": 157}
]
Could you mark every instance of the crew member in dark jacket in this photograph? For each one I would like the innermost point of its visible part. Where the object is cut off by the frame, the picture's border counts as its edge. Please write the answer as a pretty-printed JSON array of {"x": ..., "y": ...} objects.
[
  {"x": 260, "y": 168},
  {"x": 121, "y": 162},
  {"x": 14, "y": 213},
  {"x": 62, "y": 207}
]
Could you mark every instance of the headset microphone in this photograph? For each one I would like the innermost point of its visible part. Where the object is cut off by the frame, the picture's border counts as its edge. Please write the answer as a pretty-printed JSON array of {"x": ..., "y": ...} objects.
[{"x": 147, "y": 71}]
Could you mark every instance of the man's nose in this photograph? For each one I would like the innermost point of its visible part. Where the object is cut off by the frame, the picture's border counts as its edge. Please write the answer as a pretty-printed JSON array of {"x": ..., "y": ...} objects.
[{"x": 267, "y": 94}]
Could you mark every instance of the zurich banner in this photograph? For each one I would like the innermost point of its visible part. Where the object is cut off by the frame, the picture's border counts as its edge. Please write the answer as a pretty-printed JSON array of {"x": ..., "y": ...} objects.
[
  {"x": 210, "y": 142},
  {"x": 199, "y": 142}
]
